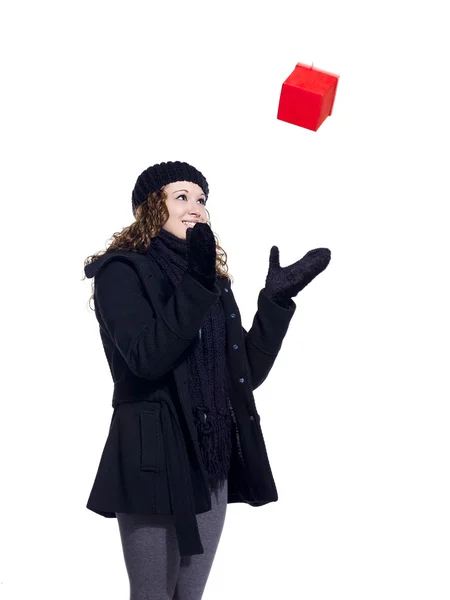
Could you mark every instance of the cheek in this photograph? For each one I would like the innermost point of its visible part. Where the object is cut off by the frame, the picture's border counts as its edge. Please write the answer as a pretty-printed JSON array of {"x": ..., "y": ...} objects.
[{"x": 175, "y": 211}]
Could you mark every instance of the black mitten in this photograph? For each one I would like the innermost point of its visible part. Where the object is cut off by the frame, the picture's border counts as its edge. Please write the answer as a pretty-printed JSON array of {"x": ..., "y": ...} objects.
[
  {"x": 283, "y": 283},
  {"x": 201, "y": 251}
]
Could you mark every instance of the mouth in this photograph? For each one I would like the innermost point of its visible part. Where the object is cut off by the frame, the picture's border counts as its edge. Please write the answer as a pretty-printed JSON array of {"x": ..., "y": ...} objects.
[{"x": 189, "y": 223}]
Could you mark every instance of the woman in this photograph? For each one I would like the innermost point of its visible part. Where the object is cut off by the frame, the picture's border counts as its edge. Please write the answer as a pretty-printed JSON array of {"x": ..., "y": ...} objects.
[{"x": 185, "y": 437}]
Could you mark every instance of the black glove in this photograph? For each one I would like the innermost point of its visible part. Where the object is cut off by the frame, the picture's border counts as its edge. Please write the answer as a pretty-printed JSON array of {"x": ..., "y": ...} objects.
[
  {"x": 283, "y": 283},
  {"x": 201, "y": 251}
]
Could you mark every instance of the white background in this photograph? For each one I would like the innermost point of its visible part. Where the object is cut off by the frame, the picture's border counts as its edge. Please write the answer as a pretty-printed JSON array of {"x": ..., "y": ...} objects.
[{"x": 355, "y": 411}]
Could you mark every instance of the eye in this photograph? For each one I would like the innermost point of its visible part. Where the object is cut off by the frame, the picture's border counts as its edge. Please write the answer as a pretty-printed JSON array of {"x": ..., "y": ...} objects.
[{"x": 202, "y": 200}]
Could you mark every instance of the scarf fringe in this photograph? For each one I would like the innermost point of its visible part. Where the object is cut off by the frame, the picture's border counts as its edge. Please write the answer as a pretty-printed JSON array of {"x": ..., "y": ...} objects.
[{"x": 215, "y": 440}]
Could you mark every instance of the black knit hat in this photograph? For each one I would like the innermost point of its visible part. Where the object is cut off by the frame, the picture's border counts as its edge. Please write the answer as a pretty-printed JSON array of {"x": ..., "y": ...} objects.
[{"x": 162, "y": 174}]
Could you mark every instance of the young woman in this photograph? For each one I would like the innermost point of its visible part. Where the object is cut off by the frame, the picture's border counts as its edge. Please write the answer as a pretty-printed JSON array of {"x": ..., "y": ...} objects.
[{"x": 185, "y": 438}]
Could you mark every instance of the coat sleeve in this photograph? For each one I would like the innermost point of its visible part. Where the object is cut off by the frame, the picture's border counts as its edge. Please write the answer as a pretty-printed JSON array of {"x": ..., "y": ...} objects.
[
  {"x": 263, "y": 340},
  {"x": 149, "y": 344}
]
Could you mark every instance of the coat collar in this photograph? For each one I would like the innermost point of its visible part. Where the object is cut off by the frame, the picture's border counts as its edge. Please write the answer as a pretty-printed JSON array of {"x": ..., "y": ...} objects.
[
  {"x": 137, "y": 258},
  {"x": 92, "y": 268}
]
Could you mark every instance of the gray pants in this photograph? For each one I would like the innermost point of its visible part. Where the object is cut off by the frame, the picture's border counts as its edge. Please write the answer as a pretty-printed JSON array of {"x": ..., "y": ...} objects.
[{"x": 150, "y": 548}]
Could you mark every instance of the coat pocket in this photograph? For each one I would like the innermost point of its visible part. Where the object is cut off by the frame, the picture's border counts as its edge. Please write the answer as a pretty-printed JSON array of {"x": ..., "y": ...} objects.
[{"x": 151, "y": 437}]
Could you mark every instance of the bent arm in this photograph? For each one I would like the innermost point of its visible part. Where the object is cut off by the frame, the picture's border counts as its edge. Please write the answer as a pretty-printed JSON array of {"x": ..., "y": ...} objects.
[
  {"x": 264, "y": 339},
  {"x": 149, "y": 343}
]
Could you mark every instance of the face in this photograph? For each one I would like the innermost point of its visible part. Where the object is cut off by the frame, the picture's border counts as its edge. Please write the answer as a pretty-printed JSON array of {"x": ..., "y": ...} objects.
[{"x": 185, "y": 202}]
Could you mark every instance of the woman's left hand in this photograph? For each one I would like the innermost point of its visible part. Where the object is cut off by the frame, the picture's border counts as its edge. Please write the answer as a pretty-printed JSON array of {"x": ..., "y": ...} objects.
[{"x": 283, "y": 283}]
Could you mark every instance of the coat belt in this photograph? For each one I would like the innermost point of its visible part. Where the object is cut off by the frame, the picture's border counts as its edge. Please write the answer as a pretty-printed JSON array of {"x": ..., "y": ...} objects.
[
  {"x": 180, "y": 486},
  {"x": 178, "y": 474}
]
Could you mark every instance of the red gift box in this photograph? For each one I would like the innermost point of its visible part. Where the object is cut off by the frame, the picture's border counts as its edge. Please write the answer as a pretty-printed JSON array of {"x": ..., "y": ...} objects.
[{"x": 307, "y": 97}]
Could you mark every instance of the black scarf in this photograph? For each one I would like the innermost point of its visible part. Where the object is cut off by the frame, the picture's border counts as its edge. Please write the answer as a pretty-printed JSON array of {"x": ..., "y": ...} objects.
[{"x": 207, "y": 383}]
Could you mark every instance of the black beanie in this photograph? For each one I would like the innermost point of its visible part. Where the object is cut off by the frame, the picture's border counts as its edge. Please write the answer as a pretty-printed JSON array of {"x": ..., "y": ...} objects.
[{"x": 157, "y": 176}]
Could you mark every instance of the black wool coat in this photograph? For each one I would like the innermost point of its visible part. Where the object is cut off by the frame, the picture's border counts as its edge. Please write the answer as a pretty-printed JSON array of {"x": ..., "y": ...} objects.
[{"x": 151, "y": 462}]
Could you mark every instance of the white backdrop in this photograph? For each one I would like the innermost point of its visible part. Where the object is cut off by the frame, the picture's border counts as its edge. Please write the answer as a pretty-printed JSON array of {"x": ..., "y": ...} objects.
[{"x": 355, "y": 411}]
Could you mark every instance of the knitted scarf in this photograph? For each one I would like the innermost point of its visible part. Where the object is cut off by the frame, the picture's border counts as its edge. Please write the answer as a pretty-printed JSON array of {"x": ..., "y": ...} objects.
[{"x": 206, "y": 363}]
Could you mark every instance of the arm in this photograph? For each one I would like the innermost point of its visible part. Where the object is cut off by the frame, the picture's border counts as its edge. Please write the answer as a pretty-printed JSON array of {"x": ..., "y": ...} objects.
[
  {"x": 276, "y": 308},
  {"x": 263, "y": 340},
  {"x": 149, "y": 344}
]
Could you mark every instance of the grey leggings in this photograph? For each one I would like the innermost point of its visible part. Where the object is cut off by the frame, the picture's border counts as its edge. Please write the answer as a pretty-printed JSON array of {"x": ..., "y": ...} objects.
[{"x": 150, "y": 548}]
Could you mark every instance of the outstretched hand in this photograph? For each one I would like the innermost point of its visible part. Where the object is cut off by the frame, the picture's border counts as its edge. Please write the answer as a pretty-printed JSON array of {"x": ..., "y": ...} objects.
[{"x": 283, "y": 283}]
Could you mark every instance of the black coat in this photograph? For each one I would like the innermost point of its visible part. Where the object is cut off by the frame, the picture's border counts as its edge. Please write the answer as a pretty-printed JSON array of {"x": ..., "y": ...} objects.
[{"x": 151, "y": 462}]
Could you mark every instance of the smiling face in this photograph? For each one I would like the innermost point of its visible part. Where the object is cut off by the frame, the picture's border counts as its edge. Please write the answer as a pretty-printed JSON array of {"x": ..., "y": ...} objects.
[{"x": 185, "y": 202}]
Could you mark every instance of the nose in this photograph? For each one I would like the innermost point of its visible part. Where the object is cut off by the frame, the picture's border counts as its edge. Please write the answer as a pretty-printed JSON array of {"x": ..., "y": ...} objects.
[{"x": 195, "y": 212}]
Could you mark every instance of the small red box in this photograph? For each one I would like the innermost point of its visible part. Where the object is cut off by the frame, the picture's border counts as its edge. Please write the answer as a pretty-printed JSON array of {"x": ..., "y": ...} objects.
[{"x": 307, "y": 97}]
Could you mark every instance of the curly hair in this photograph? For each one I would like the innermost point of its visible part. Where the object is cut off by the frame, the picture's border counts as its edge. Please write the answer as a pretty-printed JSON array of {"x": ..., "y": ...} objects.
[{"x": 149, "y": 219}]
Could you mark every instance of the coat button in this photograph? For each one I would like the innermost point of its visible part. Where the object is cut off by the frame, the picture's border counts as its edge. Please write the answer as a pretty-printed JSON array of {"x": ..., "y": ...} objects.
[
  {"x": 235, "y": 346},
  {"x": 233, "y": 315},
  {"x": 241, "y": 380},
  {"x": 252, "y": 418},
  {"x": 226, "y": 289}
]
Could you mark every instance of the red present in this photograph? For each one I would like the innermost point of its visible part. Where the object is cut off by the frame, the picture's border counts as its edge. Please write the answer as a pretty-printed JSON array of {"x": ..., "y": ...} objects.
[{"x": 307, "y": 97}]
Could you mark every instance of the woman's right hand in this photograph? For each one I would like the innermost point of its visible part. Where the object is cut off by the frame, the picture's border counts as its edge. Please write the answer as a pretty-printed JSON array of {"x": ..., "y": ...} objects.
[{"x": 201, "y": 254}]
